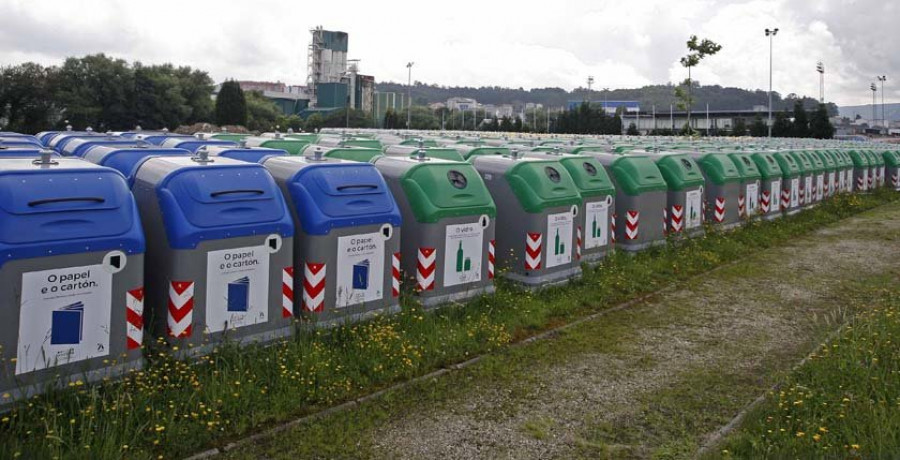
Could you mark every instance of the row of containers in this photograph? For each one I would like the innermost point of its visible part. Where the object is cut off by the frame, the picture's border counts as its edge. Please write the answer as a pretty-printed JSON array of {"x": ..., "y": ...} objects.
[{"x": 199, "y": 239}]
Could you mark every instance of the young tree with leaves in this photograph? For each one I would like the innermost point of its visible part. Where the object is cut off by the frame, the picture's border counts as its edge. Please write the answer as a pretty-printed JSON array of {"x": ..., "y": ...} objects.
[
  {"x": 697, "y": 50},
  {"x": 231, "y": 106}
]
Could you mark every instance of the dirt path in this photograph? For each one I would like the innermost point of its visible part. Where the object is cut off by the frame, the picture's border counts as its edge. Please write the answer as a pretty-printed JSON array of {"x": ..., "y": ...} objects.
[{"x": 650, "y": 381}]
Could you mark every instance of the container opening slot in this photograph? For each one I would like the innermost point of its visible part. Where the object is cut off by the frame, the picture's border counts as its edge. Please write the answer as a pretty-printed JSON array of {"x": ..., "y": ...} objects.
[{"x": 87, "y": 199}]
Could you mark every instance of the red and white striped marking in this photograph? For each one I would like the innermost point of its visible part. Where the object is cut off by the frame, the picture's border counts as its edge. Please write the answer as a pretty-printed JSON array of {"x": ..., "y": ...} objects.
[
  {"x": 677, "y": 218},
  {"x": 785, "y": 199},
  {"x": 719, "y": 212},
  {"x": 491, "y": 259},
  {"x": 533, "y": 243},
  {"x": 860, "y": 183},
  {"x": 742, "y": 209},
  {"x": 764, "y": 201},
  {"x": 287, "y": 292},
  {"x": 134, "y": 317},
  {"x": 612, "y": 229},
  {"x": 895, "y": 180},
  {"x": 578, "y": 243},
  {"x": 314, "y": 286},
  {"x": 665, "y": 220},
  {"x": 181, "y": 309},
  {"x": 632, "y": 224},
  {"x": 871, "y": 180},
  {"x": 425, "y": 268},
  {"x": 395, "y": 275}
]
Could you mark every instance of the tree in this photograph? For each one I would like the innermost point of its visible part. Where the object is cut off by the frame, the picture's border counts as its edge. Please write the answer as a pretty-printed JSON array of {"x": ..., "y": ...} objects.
[
  {"x": 739, "y": 128},
  {"x": 293, "y": 122},
  {"x": 262, "y": 113},
  {"x": 782, "y": 126},
  {"x": 314, "y": 123},
  {"x": 800, "y": 127},
  {"x": 25, "y": 105},
  {"x": 632, "y": 130},
  {"x": 506, "y": 124},
  {"x": 759, "y": 128},
  {"x": 231, "y": 106},
  {"x": 158, "y": 102},
  {"x": 421, "y": 117},
  {"x": 820, "y": 126},
  {"x": 697, "y": 50},
  {"x": 96, "y": 91}
]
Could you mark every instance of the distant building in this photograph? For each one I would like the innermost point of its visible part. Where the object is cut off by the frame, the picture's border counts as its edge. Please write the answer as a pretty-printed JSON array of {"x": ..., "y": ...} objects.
[
  {"x": 326, "y": 61},
  {"x": 387, "y": 101},
  {"x": 610, "y": 107},
  {"x": 461, "y": 103}
]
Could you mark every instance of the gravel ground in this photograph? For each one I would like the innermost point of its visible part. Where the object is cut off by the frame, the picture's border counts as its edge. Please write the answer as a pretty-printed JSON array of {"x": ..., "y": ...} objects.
[{"x": 731, "y": 322}]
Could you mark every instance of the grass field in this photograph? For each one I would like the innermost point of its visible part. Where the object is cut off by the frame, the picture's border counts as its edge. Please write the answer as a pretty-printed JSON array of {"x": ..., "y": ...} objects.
[
  {"x": 174, "y": 408},
  {"x": 843, "y": 403}
]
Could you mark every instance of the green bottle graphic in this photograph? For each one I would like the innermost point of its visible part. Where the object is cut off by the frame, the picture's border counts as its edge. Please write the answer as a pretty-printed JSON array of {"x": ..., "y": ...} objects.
[
  {"x": 559, "y": 248},
  {"x": 459, "y": 258},
  {"x": 594, "y": 232}
]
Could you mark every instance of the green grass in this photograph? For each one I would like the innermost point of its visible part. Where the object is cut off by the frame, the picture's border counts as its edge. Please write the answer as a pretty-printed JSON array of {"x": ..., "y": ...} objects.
[
  {"x": 173, "y": 408},
  {"x": 843, "y": 403}
]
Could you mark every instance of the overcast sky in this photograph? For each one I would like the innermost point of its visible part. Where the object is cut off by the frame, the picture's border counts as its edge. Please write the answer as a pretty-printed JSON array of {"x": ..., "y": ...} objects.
[{"x": 461, "y": 42}]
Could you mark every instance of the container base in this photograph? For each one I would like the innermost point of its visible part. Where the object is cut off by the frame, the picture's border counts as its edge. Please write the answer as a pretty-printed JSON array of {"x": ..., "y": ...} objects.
[
  {"x": 431, "y": 302},
  {"x": 542, "y": 281}
]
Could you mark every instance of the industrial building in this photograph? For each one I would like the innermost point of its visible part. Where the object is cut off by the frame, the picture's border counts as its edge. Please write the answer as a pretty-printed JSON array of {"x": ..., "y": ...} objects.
[{"x": 333, "y": 80}]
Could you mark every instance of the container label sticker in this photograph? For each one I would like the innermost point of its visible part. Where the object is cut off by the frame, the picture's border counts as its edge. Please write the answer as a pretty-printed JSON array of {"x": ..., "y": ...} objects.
[
  {"x": 775, "y": 196},
  {"x": 807, "y": 189},
  {"x": 820, "y": 186},
  {"x": 463, "y": 244},
  {"x": 831, "y": 181},
  {"x": 596, "y": 224},
  {"x": 693, "y": 202},
  {"x": 237, "y": 287},
  {"x": 64, "y": 316},
  {"x": 559, "y": 232},
  {"x": 795, "y": 192},
  {"x": 360, "y": 269},
  {"x": 752, "y": 198}
]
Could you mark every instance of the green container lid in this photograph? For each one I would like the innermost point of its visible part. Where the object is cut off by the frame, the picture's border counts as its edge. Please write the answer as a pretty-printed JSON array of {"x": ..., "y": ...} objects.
[
  {"x": 442, "y": 189},
  {"x": 818, "y": 166},
  {"x": 746, "y": 166},
  {"x": 623, "y": 148},
  {"x": 719, "y": 168},
  {"x": 542, "y": 184},
  {"x": 891, "y": 158},
  {"x": 424, "y": 142},
  {"x": 544, "y": 149},
  {"x": 680, "y": 171},
  {"x": 360, "y": 154},
  {"x": 234, "y": 137},
  {"x": 860, "y": 159},
  {"x": 788, "y": 164},
  {"x": 803, "y": 162},
  {"x": 844, "y": 158},
  {"x": 767, "y": 165},
  {"x": 291, "y": 146},
  {"x": 877, "y": 157},
  {"x": 637, "y": 174},
  {"x": 827, "y": 158},
  {"x": 589, "y": 176}
]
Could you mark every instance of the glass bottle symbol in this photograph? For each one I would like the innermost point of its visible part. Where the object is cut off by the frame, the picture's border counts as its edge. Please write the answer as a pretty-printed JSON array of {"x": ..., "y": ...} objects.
[
  {"x": 594, "y": 232},
  {"x": 558, "y": 247},
  {"x": 459, "y": 258}
]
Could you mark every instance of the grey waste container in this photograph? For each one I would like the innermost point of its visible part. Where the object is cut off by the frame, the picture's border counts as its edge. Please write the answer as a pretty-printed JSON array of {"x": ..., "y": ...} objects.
[
  {"x": 537, "y": 210},
  {"x": 807, "y": 178},
  {"x": 444, "y": 153},
  {"x": 71, "y": 274},
  {"x": 861, "y": 179},
  {"x": 348, "y": 238},
  {"x": 684, "y": 199},
  {"x": 749, "y": 199},
  {"x": 771, "y": 178},
  {"x": 248, "y": 154},
  {"x": 723, "y": 188},
  {"x": 449, "y": 226},
  {"x": 129, "y": 159},
  {"x": 640, "y": 218},
  {"x": 219, "y": 251}
]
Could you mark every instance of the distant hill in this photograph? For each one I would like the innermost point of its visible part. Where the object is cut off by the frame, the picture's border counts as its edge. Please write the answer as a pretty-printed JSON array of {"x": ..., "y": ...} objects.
[
  {"x": 891, "y": 111},
  {"x": 718, "y": 97}
]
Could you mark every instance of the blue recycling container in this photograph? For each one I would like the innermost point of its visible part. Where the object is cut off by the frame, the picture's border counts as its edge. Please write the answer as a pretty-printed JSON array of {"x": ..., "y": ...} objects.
[
  {"x": 76, "y": 147},
  {"x": 157, "y": 138},
  {"x": 193, "y": 143},
  {"x": 220, "y": 251},
  {"x": 248, "y": 154},
  {"x": 71, "y": 274},
  {"x": 21, "y": 152},
  {"x": 59, "y": 141},
  {"x": 348, "y": 237},
  {"x": 16, "y": 138},
  {"x": 44, "y": 137},
  {"x": 127, "y": 160}
]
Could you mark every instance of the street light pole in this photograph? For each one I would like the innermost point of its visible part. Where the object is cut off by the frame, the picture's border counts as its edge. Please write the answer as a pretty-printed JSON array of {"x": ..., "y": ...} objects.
[
  {"x": 771, "y": 34},
  {"x": 882, "y": 79},
  {"x": 820, "y": 67},
  {"x": 409, "y": 94},
  {"x": 874, "y": 90}
]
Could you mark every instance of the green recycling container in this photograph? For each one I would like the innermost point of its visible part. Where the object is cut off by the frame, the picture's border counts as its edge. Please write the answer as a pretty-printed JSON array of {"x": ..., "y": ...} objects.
[
  {"x": 312, "y": 138},
  {"x": 469, "y": 151},
  {"x": 449, "y": 226},
  {"x": 684, "y": 199},
  {"x": 861, "y": 165},
  {"x": 537, "y": 210},
  {"x": 420, "y": 143},
  {"x": 748, "y": 201},
  {"x": 830, "y": 186},
  {"x": 807, "y": 177},
  {"x": 234, "y": 137},
  {"x": 723, "y": 188},
  {"x": 360, "y": 154},
  {"x": 845, "y": 170},
  {"x": 818, "y": 190},
  {"x": 892, "y": 168},
  {"x": 771, "y": 178},
  {"x": 879, "y": 168}
]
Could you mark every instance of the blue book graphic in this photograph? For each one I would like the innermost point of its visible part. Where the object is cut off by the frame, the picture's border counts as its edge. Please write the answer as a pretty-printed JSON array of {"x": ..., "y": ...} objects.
[
  {"x": 361, "y": 275},
  {"x": 66, "y": 325},
  {"x": 239, "y": 295}
]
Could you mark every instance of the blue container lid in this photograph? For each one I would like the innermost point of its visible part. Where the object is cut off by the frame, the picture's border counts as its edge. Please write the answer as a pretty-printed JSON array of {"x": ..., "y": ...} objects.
[
  {"x": 16, "y": 137},
  {"x": 192, "y": 143},
  {"x": 159, "y": 138},
  {"x": 46, "y": 136},
  {"x": 128, "y": 160},
  {"x": 216, "y": 200},
  {"x": 77, "y": 147},
  {"x": 15, "y": 142},
  {"x": 248, "y": 154},
  {"x": 336, "y": 193},
  {"x": 21, "y": 152},
  {"x": 69, "y": 207},
  {"x": 59, "y": 141}
]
